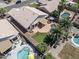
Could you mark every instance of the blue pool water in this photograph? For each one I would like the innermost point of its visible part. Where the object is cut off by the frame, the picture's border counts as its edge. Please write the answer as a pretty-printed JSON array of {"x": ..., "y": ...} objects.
[
  {"x": 76, "y": 40},
  {"x": 66, "y": 14},
  {"x": 23, "y": 54}
]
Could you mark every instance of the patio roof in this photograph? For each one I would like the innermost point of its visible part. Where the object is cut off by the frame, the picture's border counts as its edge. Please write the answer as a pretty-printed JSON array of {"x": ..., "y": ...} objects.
[
  {"x": 50, "y": 5},
  {"x": 26, "y": 15},
  {"x": 4, "y": 45},
  {"x": 6, "y": 29}
]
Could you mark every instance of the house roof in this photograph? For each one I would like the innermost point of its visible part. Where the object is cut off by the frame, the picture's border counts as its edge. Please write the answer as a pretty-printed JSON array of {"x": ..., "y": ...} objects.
[
  {"x": 26, "y": 15},
  {"x": 4, "y": 45},
  {"x": 6, "y": 29},
  {"x": 50, "y": 5}
]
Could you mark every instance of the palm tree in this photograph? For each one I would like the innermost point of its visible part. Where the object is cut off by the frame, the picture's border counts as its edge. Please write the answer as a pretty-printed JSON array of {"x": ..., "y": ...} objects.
[
  {"x": 55, "y": 34},
  {"x": 65, "y": 23},
  {"x": 2, "y": 12},
  {"x": 56, "y": 14},
  {"x": 62, "y": 3}
]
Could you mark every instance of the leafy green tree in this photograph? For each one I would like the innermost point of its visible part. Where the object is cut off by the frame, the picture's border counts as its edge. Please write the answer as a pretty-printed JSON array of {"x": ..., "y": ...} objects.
[
  {"x": 55, "y": 13},
  {"x": 42, "y": 47},
  {"x": 48, "y": 56},
  {"x": 62, "y": 4},
  {"x": 78, "y": 3},
  {"x": 60, "y": 8},
  {"x": 2, "y": 12}
]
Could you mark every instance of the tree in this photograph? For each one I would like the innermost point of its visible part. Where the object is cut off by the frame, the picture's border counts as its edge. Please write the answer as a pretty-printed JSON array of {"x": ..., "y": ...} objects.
[
  {"x": 62, "y": 4},
  {"x": 65, "y": 23},
  {"x": 47, "y": 40},
  {"x": 55, "y": 14},
  {"x": 48, "y": 56},
  {"x": 42, "y": 47},
  {"x": 60, "y": 8},
  {"x": 2, "y": 12},
  {"x": 78, "y": 3},
  {"x": 55, "y": 34}
]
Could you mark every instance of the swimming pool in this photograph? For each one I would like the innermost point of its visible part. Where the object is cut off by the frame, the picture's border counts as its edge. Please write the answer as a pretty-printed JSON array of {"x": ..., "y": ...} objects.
[
  {"x": 66, "y": 14},
  {"x": 23, "y": 54},
  {"x": 75, "y": 40}
]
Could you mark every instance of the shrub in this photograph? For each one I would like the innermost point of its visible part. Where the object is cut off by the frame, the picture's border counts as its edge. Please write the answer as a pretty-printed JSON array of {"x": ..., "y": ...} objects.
[
  {"x": 42, "y": 47},
  {"x": 48, "y": 56},
  {"x": 35, "y": 5},
  {"x": 55, "y": 13}
]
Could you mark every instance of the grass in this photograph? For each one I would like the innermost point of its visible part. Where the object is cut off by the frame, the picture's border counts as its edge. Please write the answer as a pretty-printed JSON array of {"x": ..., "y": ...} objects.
[
  {"x": 49, "y": 56},
  {"x": 34, "y": 5},
  {"x": 69, "y": 52},
  {"x": 39, "y": 37}
]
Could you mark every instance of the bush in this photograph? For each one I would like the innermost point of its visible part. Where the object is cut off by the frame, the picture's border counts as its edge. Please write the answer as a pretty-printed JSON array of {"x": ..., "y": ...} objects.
[
  {"x": 55, "y": 14},
  {"x": 48, "y": 56},
  {"x": 60, "y": 8},
  {"x": 42, "y": 47},
  {"x": 35, "y": 5},
  {"x": 72, "y": 7},
  {"x": 48, "y": 40}
]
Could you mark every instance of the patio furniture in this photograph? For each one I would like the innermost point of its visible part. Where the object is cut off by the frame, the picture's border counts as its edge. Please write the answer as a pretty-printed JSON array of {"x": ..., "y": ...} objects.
[{"x": 40, "y": 25}]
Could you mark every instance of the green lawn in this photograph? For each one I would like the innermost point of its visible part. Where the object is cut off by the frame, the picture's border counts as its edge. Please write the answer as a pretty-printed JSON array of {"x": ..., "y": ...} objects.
[{"x": 39, "y": 37}]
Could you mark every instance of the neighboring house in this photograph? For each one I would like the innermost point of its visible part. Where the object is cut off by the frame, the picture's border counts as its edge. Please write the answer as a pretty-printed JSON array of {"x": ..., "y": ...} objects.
[
  {"x": 49, "y": 5},
  {"x": 26, "y": 17},
  {"x": 7, "y": 33}
]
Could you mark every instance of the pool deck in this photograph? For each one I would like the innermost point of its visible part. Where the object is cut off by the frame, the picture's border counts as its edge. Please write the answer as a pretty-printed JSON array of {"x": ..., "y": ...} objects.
[
  {"x": 74, "y": 42},
  {"x": 70, "y": 12},
  {"x": 13, "y": 54}
]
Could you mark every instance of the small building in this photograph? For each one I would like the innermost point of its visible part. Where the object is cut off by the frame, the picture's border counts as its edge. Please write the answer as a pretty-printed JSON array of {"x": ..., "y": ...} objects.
[
  {"x": 49, "y": 5},
  {"x": 7, "y": 33},
  {"x": 26, "y": 18}
]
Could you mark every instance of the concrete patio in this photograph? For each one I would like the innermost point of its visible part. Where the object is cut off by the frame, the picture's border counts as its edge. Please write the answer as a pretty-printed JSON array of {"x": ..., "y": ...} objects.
[{"x": 45, "y": 28}]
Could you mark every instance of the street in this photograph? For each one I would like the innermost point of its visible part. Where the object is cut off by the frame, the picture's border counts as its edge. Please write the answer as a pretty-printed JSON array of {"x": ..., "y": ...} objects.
[{"x": 24, "y": 3}]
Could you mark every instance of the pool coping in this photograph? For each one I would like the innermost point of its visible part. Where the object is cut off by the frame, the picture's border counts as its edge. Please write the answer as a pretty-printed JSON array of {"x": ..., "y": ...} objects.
[{"x": 74, "y": 42}]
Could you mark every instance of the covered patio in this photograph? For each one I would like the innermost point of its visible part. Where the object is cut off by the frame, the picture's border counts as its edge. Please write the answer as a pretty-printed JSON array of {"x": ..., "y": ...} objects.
[
  {"x": 5, "y": 45},
  {"x": 45, "y": 26}
]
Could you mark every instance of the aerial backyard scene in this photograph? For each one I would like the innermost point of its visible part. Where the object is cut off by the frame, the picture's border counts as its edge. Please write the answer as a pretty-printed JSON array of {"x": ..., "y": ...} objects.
[{"x": 39, "y": 29}]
